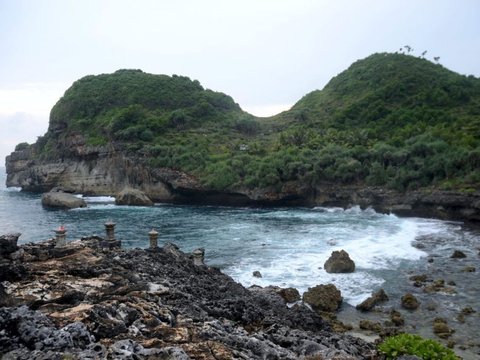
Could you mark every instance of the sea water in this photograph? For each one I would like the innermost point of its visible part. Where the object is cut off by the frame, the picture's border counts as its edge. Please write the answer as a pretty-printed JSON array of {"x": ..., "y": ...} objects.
[{"x": 287, "y": 245}]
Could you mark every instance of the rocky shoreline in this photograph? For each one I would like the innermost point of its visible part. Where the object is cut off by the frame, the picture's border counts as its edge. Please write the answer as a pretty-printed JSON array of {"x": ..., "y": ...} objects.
[
  {"x": 439, "y": 301},
  {"x": 84, "y": 300},
  {"x": 98, "y": 171},
  {"x": 90, "y": 299}
]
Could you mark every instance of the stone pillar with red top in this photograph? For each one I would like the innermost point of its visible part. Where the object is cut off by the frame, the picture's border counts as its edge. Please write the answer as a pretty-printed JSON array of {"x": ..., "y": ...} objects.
[{"x": 60, "y": 236}]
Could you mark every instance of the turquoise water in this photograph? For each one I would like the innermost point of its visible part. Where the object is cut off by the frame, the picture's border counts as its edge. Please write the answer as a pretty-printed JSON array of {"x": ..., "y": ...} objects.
[{"x": 287, "y": 245}]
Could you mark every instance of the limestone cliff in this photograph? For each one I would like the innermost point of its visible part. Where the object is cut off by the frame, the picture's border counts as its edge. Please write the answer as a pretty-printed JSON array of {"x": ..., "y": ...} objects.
[
  {"x": 99, "y": 172},
  {"x": 96, "y": 172}
]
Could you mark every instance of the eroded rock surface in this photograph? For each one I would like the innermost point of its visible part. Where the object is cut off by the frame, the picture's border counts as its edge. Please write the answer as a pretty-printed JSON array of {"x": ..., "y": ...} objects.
[
  {"x": 133, "y": 197},
  {"x": 87, "y": 303},
  {"x": 410, "y": 302},
  {"x": 339, "y": 262},
  {"x": 323, "y": 298},
  {"x": 62, "y": 200},
  {"x": 101, "y": 170},
  {"x": 8, "y": 243},
  {"x": 369, "y": 303}
]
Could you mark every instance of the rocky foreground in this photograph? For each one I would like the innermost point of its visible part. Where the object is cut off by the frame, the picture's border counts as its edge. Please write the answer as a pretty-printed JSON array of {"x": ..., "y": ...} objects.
[{"x": 83, "y": 301}]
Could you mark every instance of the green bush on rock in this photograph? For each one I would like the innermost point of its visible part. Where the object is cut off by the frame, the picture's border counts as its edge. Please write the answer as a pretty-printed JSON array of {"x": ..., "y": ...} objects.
[{"x": 409, "y": 344}]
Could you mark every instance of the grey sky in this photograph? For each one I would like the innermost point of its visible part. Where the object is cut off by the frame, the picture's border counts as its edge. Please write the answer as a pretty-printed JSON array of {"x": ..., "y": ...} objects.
[{"x": 266, "y": 54}]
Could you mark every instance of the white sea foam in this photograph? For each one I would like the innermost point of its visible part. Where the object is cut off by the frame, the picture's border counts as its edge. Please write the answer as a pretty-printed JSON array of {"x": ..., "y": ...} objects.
[
  {"x": 13, "y": 189},
  {"x": 328, "y": 209},
  {"x": 383, "y": 248},
  {"x": 374, "y": 241},
  {"x": 96, "y": 199},
  {"x": 110, "y": 207},
  {"x": 99, "y": 199}
]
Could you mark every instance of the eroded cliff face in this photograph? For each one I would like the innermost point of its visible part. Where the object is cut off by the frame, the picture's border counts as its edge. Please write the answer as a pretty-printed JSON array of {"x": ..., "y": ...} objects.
[
  {"x": 91, "y": 170},
  {"x": 96, "y": 174},
  {"x": 103, "y": 171},
  {"x": 106, "y": 171}
]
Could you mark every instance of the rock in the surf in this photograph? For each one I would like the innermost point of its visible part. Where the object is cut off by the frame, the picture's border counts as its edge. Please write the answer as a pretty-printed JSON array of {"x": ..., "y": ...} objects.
[
  {"x": 457, "y": 254},
  {"x": 339, "y": 262},
  {"x": 373, "y": 300},
  {"x": 257, "y": 274},
  {"x": 62, "y": 200},
  {"x": 410, "y": 302},
  {"x": 441, "y": 328},
  {"x": 134, "y": 197},
  {"x": 396, "y": 318}
]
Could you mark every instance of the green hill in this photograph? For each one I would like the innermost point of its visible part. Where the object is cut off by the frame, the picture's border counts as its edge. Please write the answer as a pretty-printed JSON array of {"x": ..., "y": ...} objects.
[
  {"x": 389, "y": 120},
  {"x": 395, "y": 120},
  {"x": 132, "y": 105}
]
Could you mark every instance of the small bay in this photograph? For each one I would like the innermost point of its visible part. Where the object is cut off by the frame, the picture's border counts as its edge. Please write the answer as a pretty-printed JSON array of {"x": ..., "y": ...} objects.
[{"x": 287, "y": 245}]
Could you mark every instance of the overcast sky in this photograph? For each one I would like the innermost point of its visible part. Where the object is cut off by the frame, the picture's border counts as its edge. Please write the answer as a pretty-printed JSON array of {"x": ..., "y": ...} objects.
[{"x": 266, "y": 54}]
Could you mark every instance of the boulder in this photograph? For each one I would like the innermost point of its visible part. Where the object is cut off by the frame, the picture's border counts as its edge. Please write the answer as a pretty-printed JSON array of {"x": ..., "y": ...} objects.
[
  {"x": 374, "y": 326},
  {"x": 457, "y": 254},
  {"x": 441, "y": 329},
  {"x": 290, "y": 295},
  {"x": 410, "y": 302},
  {"x": 287, "y": 295},
  {"x": 439, "y": 286},
  {"x": 396, "y": 318},
  {"x": 8, "y": 243},
  {"x": 339, "y": 262},
  {"x": 257, "y": 274},
  {"x": 323, "y": 298},
  {"x": 4, "y": 298},
  {"x": 373, "y": 300},
  {"x": 134, "y": 197},
  {"x": 419, "y": 278},
  {"x": 62, "y": 200},
  {"x": 468, "y": 310}
]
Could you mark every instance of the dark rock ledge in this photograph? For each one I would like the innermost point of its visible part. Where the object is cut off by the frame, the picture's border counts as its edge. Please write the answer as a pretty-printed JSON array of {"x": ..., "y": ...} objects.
[{"x": 80, "y": 301}]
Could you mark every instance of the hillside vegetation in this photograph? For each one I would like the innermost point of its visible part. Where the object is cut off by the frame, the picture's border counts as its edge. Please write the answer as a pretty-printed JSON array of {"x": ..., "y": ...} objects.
[{"x": 390, "y": 120}]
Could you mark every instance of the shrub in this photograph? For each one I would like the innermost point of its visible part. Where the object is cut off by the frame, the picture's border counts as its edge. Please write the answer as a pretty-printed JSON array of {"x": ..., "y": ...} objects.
[
  {"x": 179, "y": 119},
  {"x": 221, "y": 176},
  {"x": 377, "y": 175},
  {"x": 410, "y": 344},
  {"x": 247, "y": 125}
]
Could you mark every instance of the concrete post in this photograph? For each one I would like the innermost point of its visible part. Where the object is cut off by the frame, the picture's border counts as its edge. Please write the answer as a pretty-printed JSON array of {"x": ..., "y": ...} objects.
[
  {"x": 110, "y": 241},
  {"x": 110, "y": 230},
  {"x": 153, "y": 235},
  {"x": 198, "y": 256},
  {"x": 60, "y": 236}
]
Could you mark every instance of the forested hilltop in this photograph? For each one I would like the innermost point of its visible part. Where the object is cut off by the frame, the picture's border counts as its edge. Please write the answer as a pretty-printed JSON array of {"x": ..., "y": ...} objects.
[{"x": 390, "y": 121}]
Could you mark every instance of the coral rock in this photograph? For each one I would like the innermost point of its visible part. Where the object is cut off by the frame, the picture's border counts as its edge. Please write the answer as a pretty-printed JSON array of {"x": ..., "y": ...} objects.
[
  {"x": 339, "y": 262},
  {"x": 323, "y": 298}
]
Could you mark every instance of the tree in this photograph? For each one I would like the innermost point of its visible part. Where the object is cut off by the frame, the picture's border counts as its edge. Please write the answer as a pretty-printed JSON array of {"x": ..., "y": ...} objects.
[{"x": 21, "y": 146}]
